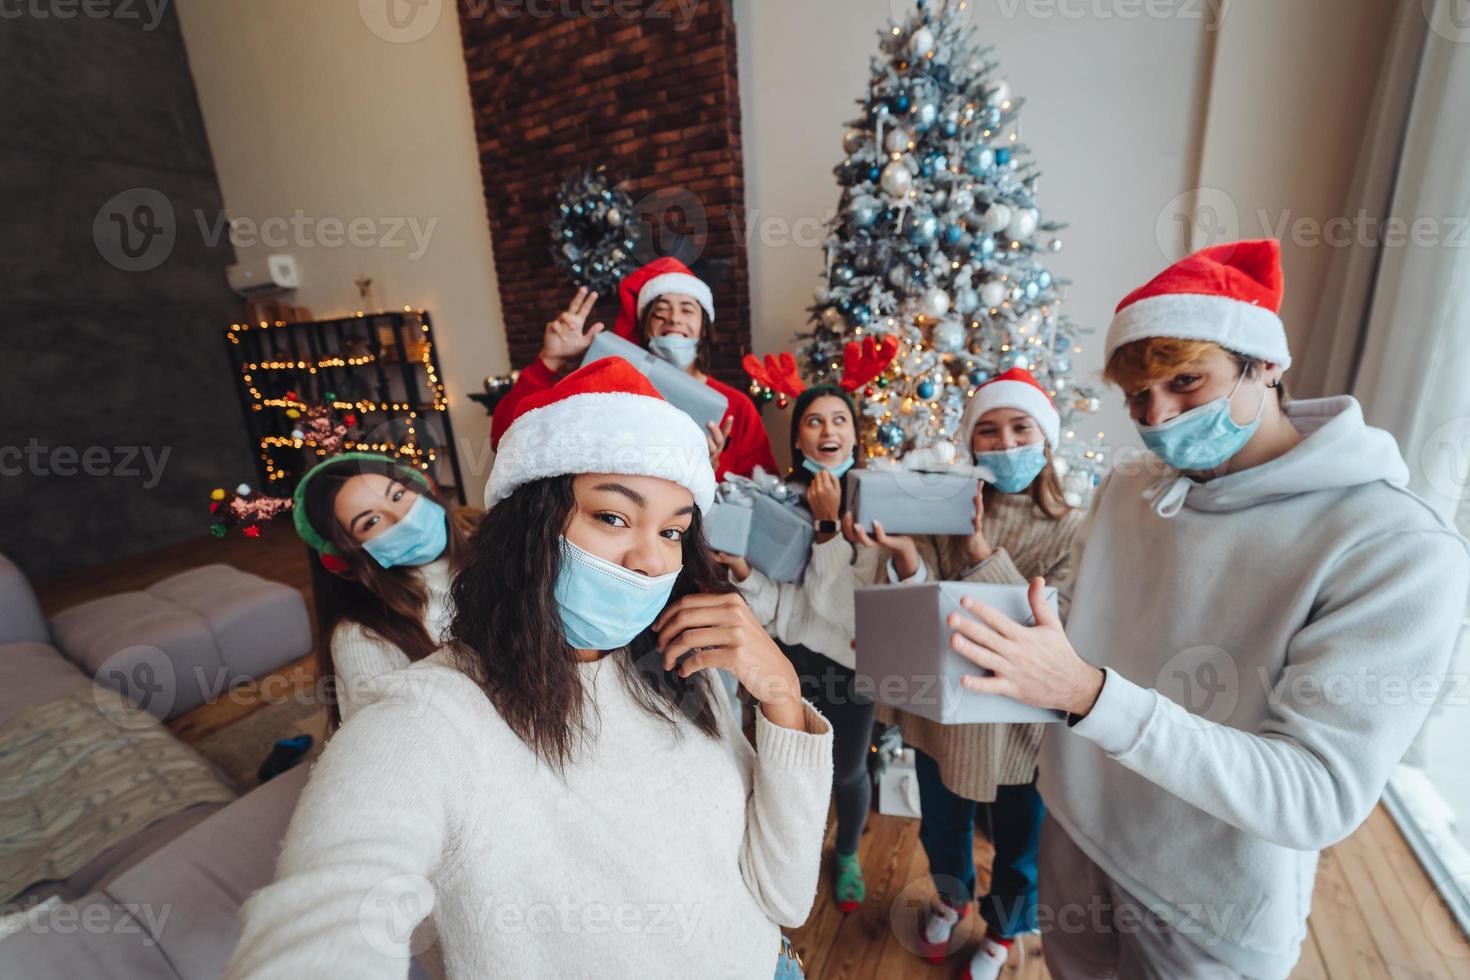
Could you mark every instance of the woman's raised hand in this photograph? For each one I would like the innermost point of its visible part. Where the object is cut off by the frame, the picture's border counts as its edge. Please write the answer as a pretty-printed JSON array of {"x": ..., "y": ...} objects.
[
  {"x": 565, "y": 340},
  {"x": 977, "y": 547}
]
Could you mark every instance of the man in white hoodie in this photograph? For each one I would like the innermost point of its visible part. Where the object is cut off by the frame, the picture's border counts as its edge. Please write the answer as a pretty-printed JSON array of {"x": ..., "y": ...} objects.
[{"x": 1251, "y": 643}]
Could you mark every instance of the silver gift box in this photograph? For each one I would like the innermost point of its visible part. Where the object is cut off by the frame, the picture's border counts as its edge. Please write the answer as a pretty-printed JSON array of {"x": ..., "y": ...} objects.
[
  {"x": 688, "y": 394},
  {"x": 780, "y": 539},
  {"x": 904, "y": 658},
  {"x": 912, "y": 501},
  {"x": 727, "y": 526}
]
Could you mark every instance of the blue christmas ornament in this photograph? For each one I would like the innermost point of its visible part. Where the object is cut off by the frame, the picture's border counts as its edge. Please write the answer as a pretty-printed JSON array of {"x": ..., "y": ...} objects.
[
  {"x": 1032, "y": 290},
  {"x": 890, "y": 435},
  {"x": 872, "y": 174},
  {"x": 861, "y": 315},
  {"x": 987, "y": 246},
  {"x": 925, "y": 389},
  {"x": 978, "y": 377},
  {"x": 953, "y": 234},
  {"x": 1002, "y": 156},
  {"x": 978, "y": 159},
  {"x": 924, "y": 229},
  {"x": 901, "y": 103},
  {"x": 842, "y": 273},
  {"x": 1044, "y": 279}
]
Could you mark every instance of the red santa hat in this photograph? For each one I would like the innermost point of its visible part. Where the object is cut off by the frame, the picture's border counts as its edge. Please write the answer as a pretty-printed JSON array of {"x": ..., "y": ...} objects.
[
  {"x": 646, "y": 284},
  {"x": 1229, "y": 294},
  {"x": 603, "y": 418},
  {"x": 1017, "y": 389}
]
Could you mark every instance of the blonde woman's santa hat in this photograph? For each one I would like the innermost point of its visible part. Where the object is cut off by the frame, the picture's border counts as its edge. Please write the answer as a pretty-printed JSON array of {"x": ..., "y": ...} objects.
[
  {"x": 603, "y": 418},
  {"x": 1229, "y": 294},
  {"x": 644, "y": 285},
  {"x": 1017, "y": 389}
]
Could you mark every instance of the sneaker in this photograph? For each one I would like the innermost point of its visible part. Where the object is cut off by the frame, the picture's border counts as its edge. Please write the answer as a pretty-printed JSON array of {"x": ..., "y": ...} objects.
[
  {"x": 939, "y": 923},
  {"x": 988, "y": 960},
  {"x": 849, "y": 887}
]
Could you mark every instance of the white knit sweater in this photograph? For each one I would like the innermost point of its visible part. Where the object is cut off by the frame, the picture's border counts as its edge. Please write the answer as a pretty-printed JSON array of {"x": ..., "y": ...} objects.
[
  {"x": 819, "y": 613},
  {"x": 359, "y": 656},
  {"x": 660, "y": 853}
]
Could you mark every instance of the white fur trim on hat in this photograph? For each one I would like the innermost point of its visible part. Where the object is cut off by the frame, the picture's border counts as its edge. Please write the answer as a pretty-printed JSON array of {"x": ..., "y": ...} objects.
[
  {"x": 1244, "y": 328},
  {"x": 603, "y": 432},
  {"x": 680, "y": 283},
  {"x": 1019, "y": 395}
]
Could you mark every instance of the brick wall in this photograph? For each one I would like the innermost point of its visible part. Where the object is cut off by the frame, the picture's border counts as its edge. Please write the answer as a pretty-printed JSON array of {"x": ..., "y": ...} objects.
[{"x": 648, "y": 87}]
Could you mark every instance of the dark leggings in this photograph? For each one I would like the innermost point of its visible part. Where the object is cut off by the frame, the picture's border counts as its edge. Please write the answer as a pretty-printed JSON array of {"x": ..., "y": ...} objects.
[{"x": 830, "y": 687}]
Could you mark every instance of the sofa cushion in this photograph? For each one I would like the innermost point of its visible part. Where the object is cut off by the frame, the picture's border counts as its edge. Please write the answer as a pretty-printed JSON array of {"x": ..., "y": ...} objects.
[
  {"x": 206, "y": 875},
  {"x": 258, "y": 625},
  {"x": 20, "y": 613},
  {"x": 160, "y": 654},
  {"x": 34, "y": 673},
  {"x": 94, "y": 938}
]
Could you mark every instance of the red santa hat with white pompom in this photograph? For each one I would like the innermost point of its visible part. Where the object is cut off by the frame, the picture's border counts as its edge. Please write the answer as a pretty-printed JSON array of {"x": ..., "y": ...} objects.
[
  {"x": 644, "y": 285},
  {"x": 602, "y": 418},
  {"x": 1017, "y": 389},
  {"x": 1229, "y": 294}
]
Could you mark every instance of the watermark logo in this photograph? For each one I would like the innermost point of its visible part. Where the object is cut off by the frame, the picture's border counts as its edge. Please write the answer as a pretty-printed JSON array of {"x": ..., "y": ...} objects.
[
  {"x": 1196, "y": 219},
  {"x": 144, "y": 676},
  {"x": 135, "y": 230},
  {"x": 401, "y": 21},
  {"x": 1205, "y": 681},
  {"x": 1450, "y": 19},
  {"x": 1444, "y": 459}
]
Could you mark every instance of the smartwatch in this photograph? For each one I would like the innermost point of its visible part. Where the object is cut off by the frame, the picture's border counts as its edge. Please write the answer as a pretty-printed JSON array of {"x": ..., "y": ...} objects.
[{"x": 825, "y": 527}]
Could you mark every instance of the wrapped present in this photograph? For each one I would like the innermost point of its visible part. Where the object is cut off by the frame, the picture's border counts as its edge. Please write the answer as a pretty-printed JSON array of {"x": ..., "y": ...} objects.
[
  {"x": 907, "y": 501},
  {"x": 727, "y": 525},
  {"x": 781, "y": 534},
  {"x": 688, "y": 394},
  {"x": 905, "y": 660}
]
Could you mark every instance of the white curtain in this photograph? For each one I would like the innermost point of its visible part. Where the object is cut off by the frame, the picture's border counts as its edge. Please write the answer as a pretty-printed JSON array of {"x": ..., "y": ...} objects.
[{"x": 1394, "y": 329}]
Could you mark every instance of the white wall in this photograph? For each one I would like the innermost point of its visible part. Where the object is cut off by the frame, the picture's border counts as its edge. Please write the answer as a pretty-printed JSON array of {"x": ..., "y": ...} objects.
[
  {"x": 307, "y": 109},
  {"x": 1120, "y": 106}
]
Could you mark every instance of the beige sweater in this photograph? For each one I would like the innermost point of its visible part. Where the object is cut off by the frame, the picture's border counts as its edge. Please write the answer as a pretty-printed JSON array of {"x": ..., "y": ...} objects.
[
  {"x": 659, "y": 853},
  {"x": 975, "y": 759}
]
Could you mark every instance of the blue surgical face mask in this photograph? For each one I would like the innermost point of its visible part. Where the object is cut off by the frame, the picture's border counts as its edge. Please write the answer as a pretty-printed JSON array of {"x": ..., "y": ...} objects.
[
  {"x": 1014, "y": 469},
  {"x": 417, "y": 539},
  {"x": 678, "y": 351},
  {"x": 1203, "y": 437},
  {"x": 812, "y": 466},
  {"x": 604, "y": 605}
]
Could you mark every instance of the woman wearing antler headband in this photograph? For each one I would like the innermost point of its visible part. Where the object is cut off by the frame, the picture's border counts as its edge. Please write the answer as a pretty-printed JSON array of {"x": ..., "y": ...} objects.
[{"x": 813, "y": 621}]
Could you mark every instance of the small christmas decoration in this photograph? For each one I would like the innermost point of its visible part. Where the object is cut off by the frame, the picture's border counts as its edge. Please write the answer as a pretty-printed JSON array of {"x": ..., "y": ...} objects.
[{"x": 593, "y": 231}]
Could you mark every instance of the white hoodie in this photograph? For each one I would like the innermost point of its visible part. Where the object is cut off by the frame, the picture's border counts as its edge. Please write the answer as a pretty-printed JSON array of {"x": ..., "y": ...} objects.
[{"x": 1272, "y": 648}]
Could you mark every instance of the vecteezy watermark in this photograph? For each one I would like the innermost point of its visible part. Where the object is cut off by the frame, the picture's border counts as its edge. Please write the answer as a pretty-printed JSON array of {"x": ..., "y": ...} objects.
[
  {"x": 137, "y": 230},
  {"x": 1444, "y": 458},
  {"x": 35, "y": 459},
  {"x": 1208, "y": 216},
  {"x": 144, "y": 677},
  {"x": 1450, "y": 19},
  {"x": 1210, "y": 12},
  {"x": 95, "y": 918},
  {"x": 401, "y": 21},
  {"x": 149, "y": 12}
]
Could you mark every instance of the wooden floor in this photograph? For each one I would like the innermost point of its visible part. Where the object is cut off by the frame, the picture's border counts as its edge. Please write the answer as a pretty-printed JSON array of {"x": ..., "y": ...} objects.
[{"x": 1375, "y": 913}]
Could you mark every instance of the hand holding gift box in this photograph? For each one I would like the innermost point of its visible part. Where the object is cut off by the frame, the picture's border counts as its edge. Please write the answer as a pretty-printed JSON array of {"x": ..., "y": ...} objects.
[
  {"x": 779, "y": 540},
  {"x": 906, "y": 654},
  {"x": 688, "y": 394}
]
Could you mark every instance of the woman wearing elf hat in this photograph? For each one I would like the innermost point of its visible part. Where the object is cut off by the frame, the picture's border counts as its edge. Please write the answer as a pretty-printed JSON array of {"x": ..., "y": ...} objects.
[
  {"x": 1245, "y": 627},
  {"x": 1023, "y": 530},
  {"x": 814, "y": 620},
  {"x": 563, "y": 785},
  {"x": 671, "y": 311},
  {"x": 383, "y": 532}
]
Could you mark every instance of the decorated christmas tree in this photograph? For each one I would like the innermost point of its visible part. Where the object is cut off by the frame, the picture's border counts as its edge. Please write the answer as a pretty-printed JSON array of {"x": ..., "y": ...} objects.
[{"x": 939, "y": 241}]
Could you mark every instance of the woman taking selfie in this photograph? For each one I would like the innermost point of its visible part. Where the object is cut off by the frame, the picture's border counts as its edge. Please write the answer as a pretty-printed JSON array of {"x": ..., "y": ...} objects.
[
  {"x": 561, "y": 786},
  {"x": 388, "y": 549}
]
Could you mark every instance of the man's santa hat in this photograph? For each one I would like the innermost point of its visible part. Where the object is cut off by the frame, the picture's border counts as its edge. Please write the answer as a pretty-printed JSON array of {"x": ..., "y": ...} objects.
[
  {"x": 1229, "y": 294},
  {"x": 603, "y": 418},
  {"x": 1017, "y": 389},
  {"x": 658, "y": 278}
]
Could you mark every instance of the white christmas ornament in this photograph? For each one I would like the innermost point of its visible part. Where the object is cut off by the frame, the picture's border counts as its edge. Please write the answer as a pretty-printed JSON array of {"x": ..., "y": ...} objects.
[
  {"x": 935, "y": 303},
  {"x": 998, "y": 218},
  {"x": 993, "y": 293},
  {"x": 962, "y": 201},
  {"x": 896, "y": 179},
  {"x": 948, "y": 336},
  {"x": 921, "y": 43},
  {"x": 896, "y": 140},
  {"x": 1023, "y": 223}
]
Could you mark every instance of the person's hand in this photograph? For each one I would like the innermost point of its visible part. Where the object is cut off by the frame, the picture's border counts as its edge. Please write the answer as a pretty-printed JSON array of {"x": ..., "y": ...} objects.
[
  {"x": 1035, "y": 665},
  {"x": 738, "y": 566},
  {"x": 901, "y": 548},
  {"x": 977, "y": 548},
  {"x": 721, "y": 631},
  {"x": 824, "y": 496},
  {"x": 717, "y": 434},
  {"x": 565, "y": 341}
]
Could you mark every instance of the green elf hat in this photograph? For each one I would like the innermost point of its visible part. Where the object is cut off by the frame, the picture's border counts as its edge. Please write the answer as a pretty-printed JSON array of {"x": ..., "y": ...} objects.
[{"x": 328, "y": 553}]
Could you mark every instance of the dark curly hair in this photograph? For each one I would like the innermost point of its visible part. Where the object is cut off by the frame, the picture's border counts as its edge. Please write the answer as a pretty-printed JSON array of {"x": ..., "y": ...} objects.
[{"x": 506, "y": 633}]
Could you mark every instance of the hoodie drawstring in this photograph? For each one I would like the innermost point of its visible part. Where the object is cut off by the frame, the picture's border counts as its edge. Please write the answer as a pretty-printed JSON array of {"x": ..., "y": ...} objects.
[{"x": 1167, "y": 495}]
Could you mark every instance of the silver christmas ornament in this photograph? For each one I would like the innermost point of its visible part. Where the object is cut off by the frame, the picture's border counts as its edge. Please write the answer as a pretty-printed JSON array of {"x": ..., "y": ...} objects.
[{"x": 896, "y": 179}]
